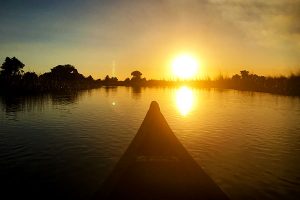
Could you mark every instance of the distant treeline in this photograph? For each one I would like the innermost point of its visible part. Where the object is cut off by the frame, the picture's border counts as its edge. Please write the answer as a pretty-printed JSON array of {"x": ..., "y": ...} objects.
[
  {"x": 66, "y": 77},
  {"x": 246, "y": 81},
  {"x": 62, "y": 77}
]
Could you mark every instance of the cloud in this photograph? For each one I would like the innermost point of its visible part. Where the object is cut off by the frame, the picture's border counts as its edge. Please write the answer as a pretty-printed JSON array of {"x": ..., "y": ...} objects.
[{"x": 261, "y": 13}]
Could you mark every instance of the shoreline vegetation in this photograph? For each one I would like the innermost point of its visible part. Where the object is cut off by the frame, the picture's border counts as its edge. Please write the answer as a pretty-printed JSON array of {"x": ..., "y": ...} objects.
[{"x": 13, "y": 80}]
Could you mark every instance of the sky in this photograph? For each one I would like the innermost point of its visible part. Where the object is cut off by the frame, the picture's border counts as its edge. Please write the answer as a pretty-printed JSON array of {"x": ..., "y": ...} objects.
[{"x": 117, "y": 37}]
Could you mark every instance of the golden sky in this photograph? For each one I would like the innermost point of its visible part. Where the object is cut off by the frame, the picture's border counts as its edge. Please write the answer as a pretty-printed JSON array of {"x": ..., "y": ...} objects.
[{"x": 117, "y": 37}]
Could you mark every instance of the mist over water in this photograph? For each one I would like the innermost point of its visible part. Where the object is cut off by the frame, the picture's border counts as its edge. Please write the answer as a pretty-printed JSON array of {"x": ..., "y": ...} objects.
[{"x": 64, "y": 145}]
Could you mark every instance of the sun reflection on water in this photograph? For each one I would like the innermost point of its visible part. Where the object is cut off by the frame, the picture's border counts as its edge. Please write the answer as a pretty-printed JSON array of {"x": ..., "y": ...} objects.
[{"x": 185, "y": 100}]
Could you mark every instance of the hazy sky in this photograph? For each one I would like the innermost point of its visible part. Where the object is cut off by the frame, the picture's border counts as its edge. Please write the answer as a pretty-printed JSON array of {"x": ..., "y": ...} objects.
[{"x": 225, "y": 35}]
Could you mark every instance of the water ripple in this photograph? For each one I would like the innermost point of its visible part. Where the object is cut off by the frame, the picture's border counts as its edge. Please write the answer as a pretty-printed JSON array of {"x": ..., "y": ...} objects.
[{"x": 249, "y": 144}]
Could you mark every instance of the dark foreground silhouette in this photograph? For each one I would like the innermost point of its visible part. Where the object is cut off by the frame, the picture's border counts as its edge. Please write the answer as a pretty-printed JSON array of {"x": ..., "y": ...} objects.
[
  {"x": 66, "y": 78},
  {"x": 157, "y": 166}
]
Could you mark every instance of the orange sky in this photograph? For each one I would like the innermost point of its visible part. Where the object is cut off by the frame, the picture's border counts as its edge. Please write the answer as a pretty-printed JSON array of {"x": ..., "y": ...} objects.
[{"x": 115, "y": 38}]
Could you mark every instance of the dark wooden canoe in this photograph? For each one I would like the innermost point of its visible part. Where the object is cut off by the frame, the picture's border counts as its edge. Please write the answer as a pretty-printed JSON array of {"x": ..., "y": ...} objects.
[{"x": 157, "y": 166}]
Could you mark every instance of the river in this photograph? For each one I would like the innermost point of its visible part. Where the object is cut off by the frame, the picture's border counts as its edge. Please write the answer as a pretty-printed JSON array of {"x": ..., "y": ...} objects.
[{"x": 64, "y": 145}]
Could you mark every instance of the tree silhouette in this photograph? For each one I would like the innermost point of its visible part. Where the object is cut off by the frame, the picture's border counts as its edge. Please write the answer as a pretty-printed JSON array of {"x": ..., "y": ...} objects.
[
  {"x": 136, "y": 75},
  {"x": 30, "y": 81},
  {"x": 127, "y": 81},
  {"x": 110, "y": 80},
  {"x": 236, "y": 77},
  {"x": 114, "y": 79},
  {"x": 244, "y": 74},
  {"x": 106, "y": 79},
  {"x": 12, "y": 67},
  {"x": 64, "y": 70},
  {"x": 65, "y": 73},
  {"x": 30, "y": 76},
  {"x": 90, "y": 78}
]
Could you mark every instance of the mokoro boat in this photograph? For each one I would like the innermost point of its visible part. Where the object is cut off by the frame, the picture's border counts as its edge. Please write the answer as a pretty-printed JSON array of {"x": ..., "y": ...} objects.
[{"x": 157, "y": 166}]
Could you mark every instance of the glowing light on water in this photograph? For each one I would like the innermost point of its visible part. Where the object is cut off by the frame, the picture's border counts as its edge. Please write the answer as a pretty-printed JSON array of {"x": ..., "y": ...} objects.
[{"x": 184, "y": 100}]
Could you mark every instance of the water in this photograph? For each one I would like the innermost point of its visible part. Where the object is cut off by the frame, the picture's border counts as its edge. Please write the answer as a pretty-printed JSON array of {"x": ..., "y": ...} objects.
[{"x": 64, "y": 145}]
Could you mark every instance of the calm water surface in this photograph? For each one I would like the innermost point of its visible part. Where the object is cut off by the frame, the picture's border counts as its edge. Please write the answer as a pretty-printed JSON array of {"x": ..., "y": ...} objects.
[{"x": 64, "y": 145}]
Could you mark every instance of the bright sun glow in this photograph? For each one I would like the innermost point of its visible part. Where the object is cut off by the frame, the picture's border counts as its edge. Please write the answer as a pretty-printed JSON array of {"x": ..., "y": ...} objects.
[
  {"x": 185, "y": 67},
  {"x": 184, "y": 100}
]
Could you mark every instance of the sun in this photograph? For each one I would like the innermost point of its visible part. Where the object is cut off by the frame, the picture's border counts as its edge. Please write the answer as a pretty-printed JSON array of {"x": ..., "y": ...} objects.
[{"x": 185, "y": 66}]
